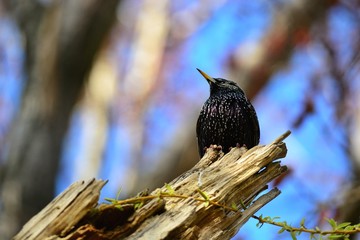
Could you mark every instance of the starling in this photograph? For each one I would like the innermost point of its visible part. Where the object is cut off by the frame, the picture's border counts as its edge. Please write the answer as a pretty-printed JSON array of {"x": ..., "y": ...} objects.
[{"x": 227, "y": 118}]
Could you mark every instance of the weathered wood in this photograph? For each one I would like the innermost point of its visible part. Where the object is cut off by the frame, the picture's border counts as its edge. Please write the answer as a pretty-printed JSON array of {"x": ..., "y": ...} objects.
[
  {"x": 64, "y": 212},
  {"x": 236, "y": 178}
]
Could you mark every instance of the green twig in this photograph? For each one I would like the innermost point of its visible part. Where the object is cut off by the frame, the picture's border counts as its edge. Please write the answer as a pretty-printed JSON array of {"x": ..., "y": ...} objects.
[{"x": 342, "y": 230}]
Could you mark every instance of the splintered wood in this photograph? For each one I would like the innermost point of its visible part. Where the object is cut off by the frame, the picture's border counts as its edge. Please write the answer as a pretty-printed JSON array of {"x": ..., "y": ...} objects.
[{"x": 234, "y": 180}]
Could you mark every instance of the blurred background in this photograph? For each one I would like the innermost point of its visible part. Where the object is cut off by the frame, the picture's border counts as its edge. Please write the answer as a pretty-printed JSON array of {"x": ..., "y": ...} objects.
[{"x": 109, "y": 89}]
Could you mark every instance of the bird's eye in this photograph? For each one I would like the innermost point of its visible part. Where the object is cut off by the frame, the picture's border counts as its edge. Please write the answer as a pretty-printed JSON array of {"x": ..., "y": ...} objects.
[{"x": 230, "y": 83}]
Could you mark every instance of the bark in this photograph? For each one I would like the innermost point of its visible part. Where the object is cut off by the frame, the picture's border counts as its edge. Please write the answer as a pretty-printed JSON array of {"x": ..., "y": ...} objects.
[{"x": 177, "y": 210}]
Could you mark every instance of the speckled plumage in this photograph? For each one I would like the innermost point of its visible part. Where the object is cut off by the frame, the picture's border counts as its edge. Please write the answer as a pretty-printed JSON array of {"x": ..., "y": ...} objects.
[{"x": 227, "y": 118}]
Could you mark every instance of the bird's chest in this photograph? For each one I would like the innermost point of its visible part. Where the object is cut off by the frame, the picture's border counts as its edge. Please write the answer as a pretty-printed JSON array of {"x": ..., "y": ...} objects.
[{"x": 224, "y": 113}]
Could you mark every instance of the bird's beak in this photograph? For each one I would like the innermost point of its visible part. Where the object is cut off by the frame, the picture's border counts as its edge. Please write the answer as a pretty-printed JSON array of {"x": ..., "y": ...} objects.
[{"x": 207, "y": 77}]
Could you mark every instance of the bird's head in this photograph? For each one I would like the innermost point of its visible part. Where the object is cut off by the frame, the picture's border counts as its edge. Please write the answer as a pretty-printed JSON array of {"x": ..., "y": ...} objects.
[{"x": 220, "y": 85}]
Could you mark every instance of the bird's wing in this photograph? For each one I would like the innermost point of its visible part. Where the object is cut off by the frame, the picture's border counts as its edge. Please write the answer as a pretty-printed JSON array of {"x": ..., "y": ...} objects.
[
  {"x": 200, "y": 137},
  {"x": 254, "y": 123}
]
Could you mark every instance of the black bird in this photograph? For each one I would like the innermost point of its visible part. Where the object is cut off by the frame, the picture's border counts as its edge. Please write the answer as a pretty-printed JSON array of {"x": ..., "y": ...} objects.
[{"x": 227, "y": 118}]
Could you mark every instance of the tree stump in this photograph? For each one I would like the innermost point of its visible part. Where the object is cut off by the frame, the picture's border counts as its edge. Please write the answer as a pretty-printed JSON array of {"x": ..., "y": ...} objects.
[{"x": 210, "y": 201}]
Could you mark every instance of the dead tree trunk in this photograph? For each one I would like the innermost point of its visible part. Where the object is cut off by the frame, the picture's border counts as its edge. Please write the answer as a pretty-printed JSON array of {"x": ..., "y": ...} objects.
[{"x": 210, "y": 201}]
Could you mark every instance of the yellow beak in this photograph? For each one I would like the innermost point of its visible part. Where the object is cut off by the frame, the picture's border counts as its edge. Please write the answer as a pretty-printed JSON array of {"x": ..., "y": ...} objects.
[{"x": 207, "y": 77}]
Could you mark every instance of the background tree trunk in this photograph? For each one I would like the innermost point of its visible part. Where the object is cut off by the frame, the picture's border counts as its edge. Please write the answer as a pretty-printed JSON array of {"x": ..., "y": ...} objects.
[{"x": 63, "y": 39}]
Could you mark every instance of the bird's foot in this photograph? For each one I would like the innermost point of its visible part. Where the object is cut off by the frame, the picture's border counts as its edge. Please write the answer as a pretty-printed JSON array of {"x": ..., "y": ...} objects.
[
  {"x": 216, "y": 147},
  {"x": 238, "y": 145}
]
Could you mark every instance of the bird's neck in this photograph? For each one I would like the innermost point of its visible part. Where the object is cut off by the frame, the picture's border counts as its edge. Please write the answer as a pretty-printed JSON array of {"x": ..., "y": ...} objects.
[{"x": 216, "y": 93}]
